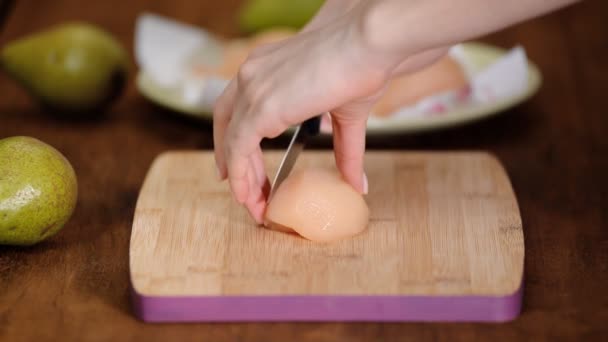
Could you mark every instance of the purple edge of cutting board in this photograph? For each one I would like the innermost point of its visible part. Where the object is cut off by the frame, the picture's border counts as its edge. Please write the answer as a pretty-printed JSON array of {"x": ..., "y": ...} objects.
[{"x": 319, "y": 308}]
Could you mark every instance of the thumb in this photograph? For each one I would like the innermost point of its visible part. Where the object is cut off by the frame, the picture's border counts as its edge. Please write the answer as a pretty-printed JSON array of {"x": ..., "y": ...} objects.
[{"x": 349, "y": 148}]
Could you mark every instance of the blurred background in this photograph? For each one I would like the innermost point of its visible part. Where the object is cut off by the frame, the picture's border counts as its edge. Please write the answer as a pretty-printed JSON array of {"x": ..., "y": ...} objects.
[{"x": 553, "y": 145}]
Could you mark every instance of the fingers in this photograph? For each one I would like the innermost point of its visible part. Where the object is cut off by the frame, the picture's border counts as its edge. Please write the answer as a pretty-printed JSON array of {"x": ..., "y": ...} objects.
[
  {"x": 222, "y": 113},
  {"x": 241, "y": 119},
  {"x": 240, "y": 143},
  {"x": 349, "y": 148},
  {"x": 262, "y": 179},
  {"x": 258, "y": 187},
  {"x": 256, "y": 200},
  {"x": 238, "y": 155}
]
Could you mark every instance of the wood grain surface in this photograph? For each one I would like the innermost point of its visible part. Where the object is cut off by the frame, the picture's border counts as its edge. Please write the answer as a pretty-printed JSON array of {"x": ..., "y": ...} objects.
[
  {"x": 74, "y": 287},
  {"x": 441, "y": 224}
]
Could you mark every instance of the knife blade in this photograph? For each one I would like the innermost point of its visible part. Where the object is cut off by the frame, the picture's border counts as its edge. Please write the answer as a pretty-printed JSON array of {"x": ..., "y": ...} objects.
[{"x": 302, "y": 132}]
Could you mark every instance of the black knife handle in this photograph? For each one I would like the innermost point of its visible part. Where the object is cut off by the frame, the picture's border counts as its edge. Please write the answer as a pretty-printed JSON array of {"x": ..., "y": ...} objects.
[{"x": 312, "y": 126}]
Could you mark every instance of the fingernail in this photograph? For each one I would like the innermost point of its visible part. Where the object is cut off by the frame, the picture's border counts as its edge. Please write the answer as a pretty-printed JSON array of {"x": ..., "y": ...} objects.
[{"x": 365, "y": 184}]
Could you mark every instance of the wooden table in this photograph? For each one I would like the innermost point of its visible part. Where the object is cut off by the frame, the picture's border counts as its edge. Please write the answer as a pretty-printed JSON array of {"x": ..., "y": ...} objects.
[{"x": 75, "y": 286}]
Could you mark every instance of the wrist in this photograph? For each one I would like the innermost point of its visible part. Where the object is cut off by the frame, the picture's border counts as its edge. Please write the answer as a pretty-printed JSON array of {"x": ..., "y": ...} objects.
[
  {"x": 361, "y": 55},
  {"x": 389, "y": 29},
  {"x": 371, "y": 25},
  {"x": 330, "y": 10}
]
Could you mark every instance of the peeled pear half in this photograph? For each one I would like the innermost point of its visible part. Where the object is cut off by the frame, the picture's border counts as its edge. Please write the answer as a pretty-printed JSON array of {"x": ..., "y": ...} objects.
[{"x": 319, "y": 205}]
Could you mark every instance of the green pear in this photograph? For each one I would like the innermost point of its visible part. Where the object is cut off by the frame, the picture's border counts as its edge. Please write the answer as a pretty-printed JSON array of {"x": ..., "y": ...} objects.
[
  {"x": 259, "y": 15},
  {"x": 38, "y": 191},
  {"x": 71, "y": 68}
]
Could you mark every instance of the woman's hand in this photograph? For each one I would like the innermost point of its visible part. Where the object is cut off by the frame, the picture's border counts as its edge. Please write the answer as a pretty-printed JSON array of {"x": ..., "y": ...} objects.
[
  {"x": 340, "y": 63},
  {"x": 279, "y": 85},
  {"x": 325, "y": 68}
]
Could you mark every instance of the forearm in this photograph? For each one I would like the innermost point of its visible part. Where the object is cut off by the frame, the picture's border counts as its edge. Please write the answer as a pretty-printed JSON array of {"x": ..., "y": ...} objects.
[
  {"x": 330, "y": 10},
  {"x": 400, "y": 28}
]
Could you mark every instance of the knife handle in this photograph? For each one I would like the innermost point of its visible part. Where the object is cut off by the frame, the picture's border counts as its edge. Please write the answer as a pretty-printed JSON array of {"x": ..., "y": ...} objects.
[{"x": 312, "y": 126}]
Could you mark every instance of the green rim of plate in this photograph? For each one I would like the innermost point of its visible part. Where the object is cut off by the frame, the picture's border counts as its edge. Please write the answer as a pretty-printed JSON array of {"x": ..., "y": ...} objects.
[{"x": 479, "y": 54}]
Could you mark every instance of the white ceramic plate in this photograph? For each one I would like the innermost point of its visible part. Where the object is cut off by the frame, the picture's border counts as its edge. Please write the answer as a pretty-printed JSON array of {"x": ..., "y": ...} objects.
[{"x": 479, "y": 56}]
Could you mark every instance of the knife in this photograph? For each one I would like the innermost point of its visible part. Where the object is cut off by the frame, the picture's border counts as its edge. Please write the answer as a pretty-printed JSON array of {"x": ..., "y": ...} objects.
[{"x": 304, "y": 131}]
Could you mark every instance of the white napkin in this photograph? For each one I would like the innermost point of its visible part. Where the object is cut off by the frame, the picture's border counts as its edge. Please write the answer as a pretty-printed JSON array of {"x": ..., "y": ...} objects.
[
  {"x": 505, "y": 78},
  {"x": 165, "y": 49}
]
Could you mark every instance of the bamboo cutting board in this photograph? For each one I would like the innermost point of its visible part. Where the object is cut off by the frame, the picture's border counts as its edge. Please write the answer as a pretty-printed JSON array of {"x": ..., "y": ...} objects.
[{"x": 444, "y": 243}]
